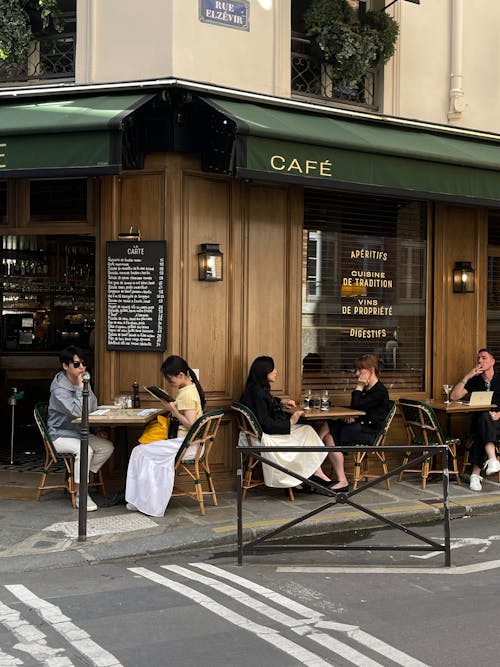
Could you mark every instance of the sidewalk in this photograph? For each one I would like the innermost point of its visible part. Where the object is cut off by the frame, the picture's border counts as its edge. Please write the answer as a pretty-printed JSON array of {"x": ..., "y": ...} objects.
[{"x": 43, "y": 534}]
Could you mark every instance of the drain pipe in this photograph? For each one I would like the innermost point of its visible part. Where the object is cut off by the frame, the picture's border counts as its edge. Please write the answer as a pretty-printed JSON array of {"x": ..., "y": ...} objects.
[{"x": 457, "y": 102}]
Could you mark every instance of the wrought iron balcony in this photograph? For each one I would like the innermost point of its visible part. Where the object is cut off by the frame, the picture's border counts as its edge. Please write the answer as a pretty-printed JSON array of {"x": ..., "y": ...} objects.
[
  {"x": 51, "y": 57},
  {"x": 313, "y": 78}
]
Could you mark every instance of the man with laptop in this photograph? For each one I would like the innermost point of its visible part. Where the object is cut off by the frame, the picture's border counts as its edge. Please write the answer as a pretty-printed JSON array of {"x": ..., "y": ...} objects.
[{"x": 485, "y": 425}]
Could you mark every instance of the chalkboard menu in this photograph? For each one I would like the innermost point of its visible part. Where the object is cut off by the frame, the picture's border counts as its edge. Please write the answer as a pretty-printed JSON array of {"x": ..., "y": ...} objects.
[{"x": 136, "y": 315}]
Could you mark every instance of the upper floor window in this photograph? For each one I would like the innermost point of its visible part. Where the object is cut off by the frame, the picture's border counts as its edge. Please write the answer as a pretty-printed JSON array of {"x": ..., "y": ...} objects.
[
  {"x": 40, "y": 51},
  {"x": 336, "y": 53}
]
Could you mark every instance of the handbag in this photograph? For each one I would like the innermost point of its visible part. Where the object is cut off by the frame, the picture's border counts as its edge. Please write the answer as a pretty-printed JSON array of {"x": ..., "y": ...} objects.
[{"x": 155, "y": 430}]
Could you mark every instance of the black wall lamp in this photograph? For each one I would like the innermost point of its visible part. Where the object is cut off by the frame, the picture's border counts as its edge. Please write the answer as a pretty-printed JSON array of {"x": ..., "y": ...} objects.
[
  {"x": 131, "y": 235},
  {"x": 463, "y": 277},
  {"x": 210, "y": 262}
]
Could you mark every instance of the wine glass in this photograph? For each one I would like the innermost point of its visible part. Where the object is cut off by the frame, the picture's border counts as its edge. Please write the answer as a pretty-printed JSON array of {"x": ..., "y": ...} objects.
[
  {"x": 447, "y": 388},
  {"x": 306, "y": 402},
  {"x": 325, "y": 400}
]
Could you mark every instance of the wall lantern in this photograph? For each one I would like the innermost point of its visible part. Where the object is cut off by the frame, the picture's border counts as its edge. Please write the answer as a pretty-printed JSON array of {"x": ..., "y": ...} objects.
[
  {"x": 463, "y": 277},
  {"x": 210, "y": 262},
  {"x": 131, "y": 235}
]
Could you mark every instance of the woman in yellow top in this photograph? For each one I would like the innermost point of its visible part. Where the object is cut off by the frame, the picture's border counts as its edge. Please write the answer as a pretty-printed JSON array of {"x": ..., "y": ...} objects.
[{"x": 151, "y": 472}]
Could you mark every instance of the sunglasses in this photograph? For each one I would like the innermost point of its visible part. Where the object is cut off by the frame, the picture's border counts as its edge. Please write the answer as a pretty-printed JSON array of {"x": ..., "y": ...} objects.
[{"x": 77, "y": 364}]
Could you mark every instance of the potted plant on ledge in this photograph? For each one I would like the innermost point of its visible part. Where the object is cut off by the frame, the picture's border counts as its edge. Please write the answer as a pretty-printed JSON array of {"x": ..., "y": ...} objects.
[
  {"x": 21, "y": 21},
  {"x": 351, "y": 43}
]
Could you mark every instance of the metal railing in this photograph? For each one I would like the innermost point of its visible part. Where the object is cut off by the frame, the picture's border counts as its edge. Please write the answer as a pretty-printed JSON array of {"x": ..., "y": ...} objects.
[
  {"x": 313, "y": 78},
  {"x": 50, "y": 57},
  {"x": 345, "y": 498}
]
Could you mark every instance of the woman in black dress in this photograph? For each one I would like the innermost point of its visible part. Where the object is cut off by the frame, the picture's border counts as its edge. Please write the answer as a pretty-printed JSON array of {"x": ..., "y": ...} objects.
[{"x": 278, "y": 420}]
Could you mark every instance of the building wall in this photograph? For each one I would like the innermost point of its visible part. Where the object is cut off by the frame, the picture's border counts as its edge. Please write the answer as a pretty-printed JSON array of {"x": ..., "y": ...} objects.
[{"x": 120, "y": 41}]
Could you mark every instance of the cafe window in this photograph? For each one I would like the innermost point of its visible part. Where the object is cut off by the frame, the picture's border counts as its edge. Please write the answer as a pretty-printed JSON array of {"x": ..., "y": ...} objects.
[
  {"x": 493, "y": 290},
  {"x": 58, "y": 200},
  {"x": 3, "y": 202},
  {"x": 364, "y": 289},
  {"x": 48, "y": 292}
]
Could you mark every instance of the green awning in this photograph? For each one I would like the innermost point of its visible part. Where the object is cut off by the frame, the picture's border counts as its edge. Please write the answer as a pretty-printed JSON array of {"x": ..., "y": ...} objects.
[
  {"x": 70, "y": 136},
  {"x": 367, "y": 152}
]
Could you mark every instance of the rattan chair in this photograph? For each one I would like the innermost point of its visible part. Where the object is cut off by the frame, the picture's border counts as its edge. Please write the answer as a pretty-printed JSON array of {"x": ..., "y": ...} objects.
[
  {"x": 251, "y": 431},
  {"x": 202, "y": 434},
  {"x": 423, "y": 428},
  {"x": 52, "y": 456},
  {"x": 361, "y": 459}
]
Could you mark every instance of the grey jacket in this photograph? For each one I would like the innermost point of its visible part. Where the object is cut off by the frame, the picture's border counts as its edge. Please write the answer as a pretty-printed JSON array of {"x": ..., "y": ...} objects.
[{"x": 65, "y": 404}]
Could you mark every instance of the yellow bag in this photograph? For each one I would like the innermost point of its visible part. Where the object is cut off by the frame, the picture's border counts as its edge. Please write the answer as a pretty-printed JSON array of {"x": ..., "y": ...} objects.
[{"x": 155, "y": 430}]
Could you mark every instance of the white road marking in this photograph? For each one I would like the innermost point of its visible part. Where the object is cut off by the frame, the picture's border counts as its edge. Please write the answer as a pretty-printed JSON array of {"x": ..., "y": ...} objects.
[
  {"x": 459, "y": 570},
  {"x": 7, "y": 660},
  {"x": 300, "y": 626},
  {"x": 283, "y": 601},
  {"x": 265, "y": 633},
  {"x": 31, "y": 640},
  {"x": 352, "y": 631},
  {"x": 78, "y": 638},
  {"x": 457, "y": 542}
]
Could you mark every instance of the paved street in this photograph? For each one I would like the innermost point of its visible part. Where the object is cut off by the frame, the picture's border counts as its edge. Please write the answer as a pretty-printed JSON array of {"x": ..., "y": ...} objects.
[{"x": 307, "y": 608}]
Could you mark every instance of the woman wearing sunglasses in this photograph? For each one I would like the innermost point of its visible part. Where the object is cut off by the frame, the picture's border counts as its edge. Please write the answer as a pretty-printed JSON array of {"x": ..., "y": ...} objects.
[{"x": 65, "y": 405}]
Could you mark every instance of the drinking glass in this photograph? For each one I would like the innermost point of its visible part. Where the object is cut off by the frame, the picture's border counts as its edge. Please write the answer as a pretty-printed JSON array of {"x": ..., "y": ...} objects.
[
  {"x": 306, "y": 399},
  {"x": 120, "y": 402},
  {"x": 447, "y": 388},
  {"x": 316, "y": 401},
  {"x": 325, "y": 400}
]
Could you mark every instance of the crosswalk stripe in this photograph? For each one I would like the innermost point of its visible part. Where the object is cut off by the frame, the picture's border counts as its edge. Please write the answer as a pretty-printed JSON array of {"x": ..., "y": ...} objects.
[
  {"x": 300, "y": 626},
  {"x": 265, "y": 633},
  {"x": 283, "y": 601},
  {"x": 353, "y": 631},
  {"x": 31, "y": 640},
  {"x": 7, "y": 660},
  {"x": 78, "y": 638}
]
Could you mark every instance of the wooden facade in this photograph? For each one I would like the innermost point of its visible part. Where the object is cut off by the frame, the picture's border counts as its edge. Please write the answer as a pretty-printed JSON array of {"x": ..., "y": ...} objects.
[{"x": 221, "y": 327}]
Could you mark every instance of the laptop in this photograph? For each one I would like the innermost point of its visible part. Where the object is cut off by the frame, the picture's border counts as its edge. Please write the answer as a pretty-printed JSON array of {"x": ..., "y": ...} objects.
[{"x": 479, "y": 398}]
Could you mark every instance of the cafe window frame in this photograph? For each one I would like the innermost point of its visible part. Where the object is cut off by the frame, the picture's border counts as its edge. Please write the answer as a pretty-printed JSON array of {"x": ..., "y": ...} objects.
[
  {"x": 83, "y": 217},
  {"x": 410, "y": 238}
]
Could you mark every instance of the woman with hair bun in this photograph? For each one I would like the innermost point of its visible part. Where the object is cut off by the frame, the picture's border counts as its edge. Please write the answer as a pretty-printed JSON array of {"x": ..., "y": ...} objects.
[{"x": 150, "y": 473}]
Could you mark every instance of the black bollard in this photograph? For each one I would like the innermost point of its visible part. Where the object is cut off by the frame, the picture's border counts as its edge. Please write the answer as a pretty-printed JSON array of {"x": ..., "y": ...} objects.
[{"x": 84, "y": 460}]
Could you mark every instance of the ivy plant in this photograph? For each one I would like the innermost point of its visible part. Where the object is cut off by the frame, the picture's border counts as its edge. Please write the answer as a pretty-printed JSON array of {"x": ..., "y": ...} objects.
[
  {"x": 21, "y": 21},
  {"x": 352, "y": 44}
]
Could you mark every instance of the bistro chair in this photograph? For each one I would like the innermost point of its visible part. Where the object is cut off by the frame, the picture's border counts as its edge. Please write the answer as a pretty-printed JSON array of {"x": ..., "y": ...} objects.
[
  {"x": 202, "y": 434},
  {"x": 52, "y": 456},
  {"x": 361, "y": 459},
  {"x": 423, "y": 428},
  {"x": 250, "y": 435}
]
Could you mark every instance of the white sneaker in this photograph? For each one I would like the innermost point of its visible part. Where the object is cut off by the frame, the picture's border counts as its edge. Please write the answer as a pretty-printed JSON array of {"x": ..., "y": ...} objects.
[
  {"x": 131, "y": 508},
  {"x": 491, "y": 466},
  {"x": 475, "y": 482},
  {"x": 91, "y": 506}
]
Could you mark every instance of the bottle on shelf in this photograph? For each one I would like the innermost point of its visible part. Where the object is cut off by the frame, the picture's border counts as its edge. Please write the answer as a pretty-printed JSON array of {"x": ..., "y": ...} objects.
[{"x": 136, "y": 401}]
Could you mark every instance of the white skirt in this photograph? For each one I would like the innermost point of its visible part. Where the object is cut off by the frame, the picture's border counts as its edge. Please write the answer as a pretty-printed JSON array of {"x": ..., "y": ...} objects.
[
  {"x": 150, "y": 475},
  {"x": 303, "y": 463}
]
